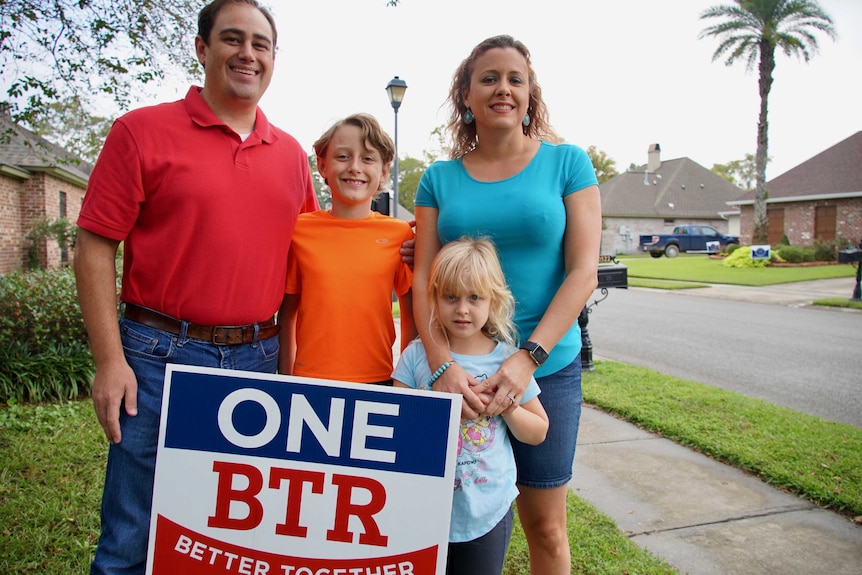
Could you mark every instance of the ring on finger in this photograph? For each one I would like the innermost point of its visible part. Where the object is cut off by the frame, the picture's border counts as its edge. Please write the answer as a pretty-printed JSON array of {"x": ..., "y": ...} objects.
[{"x": 511, "y": 397}]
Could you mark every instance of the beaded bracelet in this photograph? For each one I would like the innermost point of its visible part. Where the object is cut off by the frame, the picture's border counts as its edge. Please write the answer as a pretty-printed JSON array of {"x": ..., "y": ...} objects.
[{"x": 439, "y": 372}]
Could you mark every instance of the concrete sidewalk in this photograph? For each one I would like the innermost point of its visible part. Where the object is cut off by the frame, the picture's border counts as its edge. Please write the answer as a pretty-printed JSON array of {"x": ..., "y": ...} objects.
[
  {"x": 701, "y": 516},
  {"x": 798, "y": 294}
]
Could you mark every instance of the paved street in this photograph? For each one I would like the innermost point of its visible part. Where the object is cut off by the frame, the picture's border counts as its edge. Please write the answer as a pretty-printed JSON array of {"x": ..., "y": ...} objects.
[{"x": 784, "y": 351}]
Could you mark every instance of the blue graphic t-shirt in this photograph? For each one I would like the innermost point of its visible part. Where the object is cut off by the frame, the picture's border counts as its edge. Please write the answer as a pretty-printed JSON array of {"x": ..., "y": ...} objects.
[{"x": 485, "y": 471}]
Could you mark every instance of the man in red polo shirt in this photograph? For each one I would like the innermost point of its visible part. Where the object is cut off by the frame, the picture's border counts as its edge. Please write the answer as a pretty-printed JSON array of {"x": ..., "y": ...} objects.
[{"x": 205, "y": 193}]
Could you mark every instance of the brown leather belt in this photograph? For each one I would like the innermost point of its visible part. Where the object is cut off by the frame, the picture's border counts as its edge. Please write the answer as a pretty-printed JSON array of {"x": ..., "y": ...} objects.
[{"x": 217, "y": 334}]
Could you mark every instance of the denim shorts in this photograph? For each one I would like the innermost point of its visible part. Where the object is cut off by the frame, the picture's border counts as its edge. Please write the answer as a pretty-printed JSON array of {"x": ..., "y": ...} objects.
[
  {"x": 549, "y": 464},
  {"x": 130, "y": 472}
]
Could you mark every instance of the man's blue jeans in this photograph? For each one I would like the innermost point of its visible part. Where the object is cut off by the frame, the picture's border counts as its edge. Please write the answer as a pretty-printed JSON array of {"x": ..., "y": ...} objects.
[{"x": 128, "y": 493}]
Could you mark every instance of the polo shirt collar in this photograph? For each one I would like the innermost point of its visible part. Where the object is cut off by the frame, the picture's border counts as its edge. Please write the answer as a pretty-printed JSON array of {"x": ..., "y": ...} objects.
[{"x": 201, "y": 114}]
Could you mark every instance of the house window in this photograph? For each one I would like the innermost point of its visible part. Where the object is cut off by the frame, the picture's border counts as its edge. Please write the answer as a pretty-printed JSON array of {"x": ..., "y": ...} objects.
[
  {"x": 64, "y": 249},
  {"x": 824, "y": 223}
]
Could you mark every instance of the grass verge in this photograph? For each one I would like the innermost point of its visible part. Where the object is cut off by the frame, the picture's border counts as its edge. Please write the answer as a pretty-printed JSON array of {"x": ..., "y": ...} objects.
[
  {"x": 814, "y": 458},
  {"x": 700, "y": 268},
  {"x": 839, "y": 302},
  {"x": 663, "y": 284}
]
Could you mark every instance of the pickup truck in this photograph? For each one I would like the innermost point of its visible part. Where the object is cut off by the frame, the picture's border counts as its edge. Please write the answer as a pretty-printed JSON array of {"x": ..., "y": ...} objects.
[{"x": 703, "y": 239}]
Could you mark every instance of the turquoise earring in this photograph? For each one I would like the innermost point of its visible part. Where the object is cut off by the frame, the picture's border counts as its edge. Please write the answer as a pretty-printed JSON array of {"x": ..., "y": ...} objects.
[
  {"x": 526, "y": 119},
  {"x": 468, "y": 116}
]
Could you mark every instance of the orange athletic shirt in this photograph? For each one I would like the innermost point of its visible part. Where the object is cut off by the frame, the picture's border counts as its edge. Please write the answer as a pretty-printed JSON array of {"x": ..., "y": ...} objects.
[{"x": 344, "y": 272}]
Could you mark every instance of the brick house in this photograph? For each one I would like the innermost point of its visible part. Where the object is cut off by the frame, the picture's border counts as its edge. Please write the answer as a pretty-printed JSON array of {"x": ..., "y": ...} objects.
[
  {"x": 655, "y": 197},
  {"x": 38, "y": 180},
  {"x": 820, "y": 200}
]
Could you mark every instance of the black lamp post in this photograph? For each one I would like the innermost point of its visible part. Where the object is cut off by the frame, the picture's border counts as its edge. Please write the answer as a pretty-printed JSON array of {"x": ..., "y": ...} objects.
[{"x": 395, "y": 88}]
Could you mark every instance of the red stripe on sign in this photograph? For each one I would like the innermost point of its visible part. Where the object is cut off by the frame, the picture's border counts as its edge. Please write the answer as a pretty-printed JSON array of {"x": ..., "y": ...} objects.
[{"x": 181, "y": 550}]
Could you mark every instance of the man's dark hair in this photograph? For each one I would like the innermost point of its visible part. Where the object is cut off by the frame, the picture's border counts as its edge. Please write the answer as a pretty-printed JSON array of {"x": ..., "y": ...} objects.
[{"x": 208, "y": 14}]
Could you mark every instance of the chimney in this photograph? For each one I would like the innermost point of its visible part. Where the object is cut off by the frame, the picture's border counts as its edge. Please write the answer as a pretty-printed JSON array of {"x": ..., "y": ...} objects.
[{"x": 653, "y": 158}]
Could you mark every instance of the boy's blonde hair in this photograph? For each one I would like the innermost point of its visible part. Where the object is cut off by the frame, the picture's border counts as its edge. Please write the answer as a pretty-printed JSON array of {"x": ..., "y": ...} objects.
[
  {"x": 471, "y": 266},
  {"x": 372, "y": 134}
]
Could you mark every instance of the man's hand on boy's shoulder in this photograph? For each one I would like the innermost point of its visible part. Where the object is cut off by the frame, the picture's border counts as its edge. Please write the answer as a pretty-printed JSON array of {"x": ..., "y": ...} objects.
[{"x": 409, "y": 247}]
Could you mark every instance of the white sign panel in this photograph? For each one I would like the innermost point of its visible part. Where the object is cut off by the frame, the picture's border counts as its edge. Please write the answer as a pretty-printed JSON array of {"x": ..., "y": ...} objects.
[
  {"x": 261, "y": 474},
  {"x": 760, "y": 252}
]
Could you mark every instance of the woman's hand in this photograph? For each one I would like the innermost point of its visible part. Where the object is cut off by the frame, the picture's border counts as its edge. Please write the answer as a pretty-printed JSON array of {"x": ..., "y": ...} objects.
[
  {"x": 509, "y": 383},
  {"x": 456, "y": 380}
]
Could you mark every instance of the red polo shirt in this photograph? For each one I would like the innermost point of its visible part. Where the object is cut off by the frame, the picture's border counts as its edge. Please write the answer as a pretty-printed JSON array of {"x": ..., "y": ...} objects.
[{"x": 206, "y": 218}]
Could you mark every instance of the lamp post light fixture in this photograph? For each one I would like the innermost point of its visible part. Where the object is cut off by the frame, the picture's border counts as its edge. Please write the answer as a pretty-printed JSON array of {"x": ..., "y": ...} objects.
[{"x": 395, "y": 89}]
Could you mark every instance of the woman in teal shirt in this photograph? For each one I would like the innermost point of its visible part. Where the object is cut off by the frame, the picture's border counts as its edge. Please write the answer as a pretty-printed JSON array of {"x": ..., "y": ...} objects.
[{"x": 538, "y": 200}]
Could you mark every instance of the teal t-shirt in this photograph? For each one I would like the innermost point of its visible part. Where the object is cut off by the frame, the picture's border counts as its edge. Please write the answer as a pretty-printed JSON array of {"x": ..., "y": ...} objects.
[{"x": 525, "y": 217}]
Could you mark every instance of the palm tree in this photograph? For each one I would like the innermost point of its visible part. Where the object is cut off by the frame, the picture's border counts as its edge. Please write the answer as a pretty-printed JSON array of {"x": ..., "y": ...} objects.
[{"x": 752, "y": 30}]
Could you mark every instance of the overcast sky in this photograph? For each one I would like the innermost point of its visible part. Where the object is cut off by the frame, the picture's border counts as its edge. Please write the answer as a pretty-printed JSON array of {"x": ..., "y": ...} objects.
[{"x": 617, "y": 74}]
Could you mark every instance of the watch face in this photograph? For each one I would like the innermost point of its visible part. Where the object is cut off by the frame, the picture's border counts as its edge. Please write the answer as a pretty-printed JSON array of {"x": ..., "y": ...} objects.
[{"x": 539, "y": 354}]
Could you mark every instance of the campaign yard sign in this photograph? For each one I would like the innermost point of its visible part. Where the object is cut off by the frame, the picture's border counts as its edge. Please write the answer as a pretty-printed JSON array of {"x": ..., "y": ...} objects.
[{"x": 260, "y": 474}]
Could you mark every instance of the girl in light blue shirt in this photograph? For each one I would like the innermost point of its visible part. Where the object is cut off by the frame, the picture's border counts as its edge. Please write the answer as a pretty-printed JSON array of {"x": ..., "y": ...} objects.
[{"x": 472, "y": 305}]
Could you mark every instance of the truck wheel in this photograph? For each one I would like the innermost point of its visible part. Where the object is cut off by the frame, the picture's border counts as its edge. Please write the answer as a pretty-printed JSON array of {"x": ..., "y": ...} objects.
[
  {"x": 671, "y": 251},
  {"x": 655, "y": 254}
]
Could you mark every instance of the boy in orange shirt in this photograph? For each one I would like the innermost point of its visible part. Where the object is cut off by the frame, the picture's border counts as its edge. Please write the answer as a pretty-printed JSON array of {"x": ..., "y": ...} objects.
[{"x": 344, "y": 264}]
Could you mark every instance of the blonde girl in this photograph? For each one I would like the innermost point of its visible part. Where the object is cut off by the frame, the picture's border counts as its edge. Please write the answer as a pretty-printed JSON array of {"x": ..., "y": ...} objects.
[{"x": 472, "y": 307}]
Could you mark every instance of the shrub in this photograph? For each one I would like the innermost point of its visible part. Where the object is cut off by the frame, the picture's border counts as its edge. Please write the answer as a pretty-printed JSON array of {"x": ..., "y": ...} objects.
[
  {"x": 784, "y": 241},
  {"x": 62, "y": 230},
  {"x": 828, "y": 251},
  {"x": 44, "y": 353},
  {"x": 796, "y": 254},
  {"x": 741, "y": 258},
  {"x": 730, "y": 248},
  {"x": 825, "y": 251},
  {"x": 40, "y": 309},
  {"x": 60, "y": 372}
]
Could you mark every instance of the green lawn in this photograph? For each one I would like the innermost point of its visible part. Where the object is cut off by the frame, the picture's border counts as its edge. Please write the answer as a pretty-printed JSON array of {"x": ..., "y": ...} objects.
[
  {"x": 52, "y": 458},
  {"x": 700, "y": 268}
]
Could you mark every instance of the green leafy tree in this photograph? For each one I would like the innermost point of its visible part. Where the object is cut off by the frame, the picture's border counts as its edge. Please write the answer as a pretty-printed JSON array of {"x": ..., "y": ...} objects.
[
  {"x": 606, "y": 168},
  {"x": 321, "y": 190},
  {"x": 740, "y": 173},
  {"x": 67, "y": 124},
  {"x": 55, "y": 50},
  {"x": 441, "y": 150},
  {"x": 410, "y": 171},
  {"x": 752, "y": 30}
]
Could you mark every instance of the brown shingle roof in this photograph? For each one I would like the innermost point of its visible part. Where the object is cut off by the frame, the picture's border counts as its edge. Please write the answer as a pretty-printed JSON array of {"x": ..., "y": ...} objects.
[
  {"x": 692, "y": 190},
  {"x": 836, "y": 170},
  {"x": 21, "y": 148}
]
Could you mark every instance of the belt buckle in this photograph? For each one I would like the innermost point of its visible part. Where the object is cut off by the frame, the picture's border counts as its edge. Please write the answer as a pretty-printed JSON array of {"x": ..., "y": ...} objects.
[{"x": 226, "y": 335}]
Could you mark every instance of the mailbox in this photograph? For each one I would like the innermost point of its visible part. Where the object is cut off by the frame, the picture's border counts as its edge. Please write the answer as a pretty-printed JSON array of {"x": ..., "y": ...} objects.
[
  {"x": 612, "y": 274},
  {"x": 853, "y": 255},
  {"x": 850, "y": 255}
]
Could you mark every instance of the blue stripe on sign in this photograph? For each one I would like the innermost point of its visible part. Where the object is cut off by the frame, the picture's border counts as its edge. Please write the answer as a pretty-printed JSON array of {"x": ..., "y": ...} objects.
[{"x": 345, "y": 426}]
